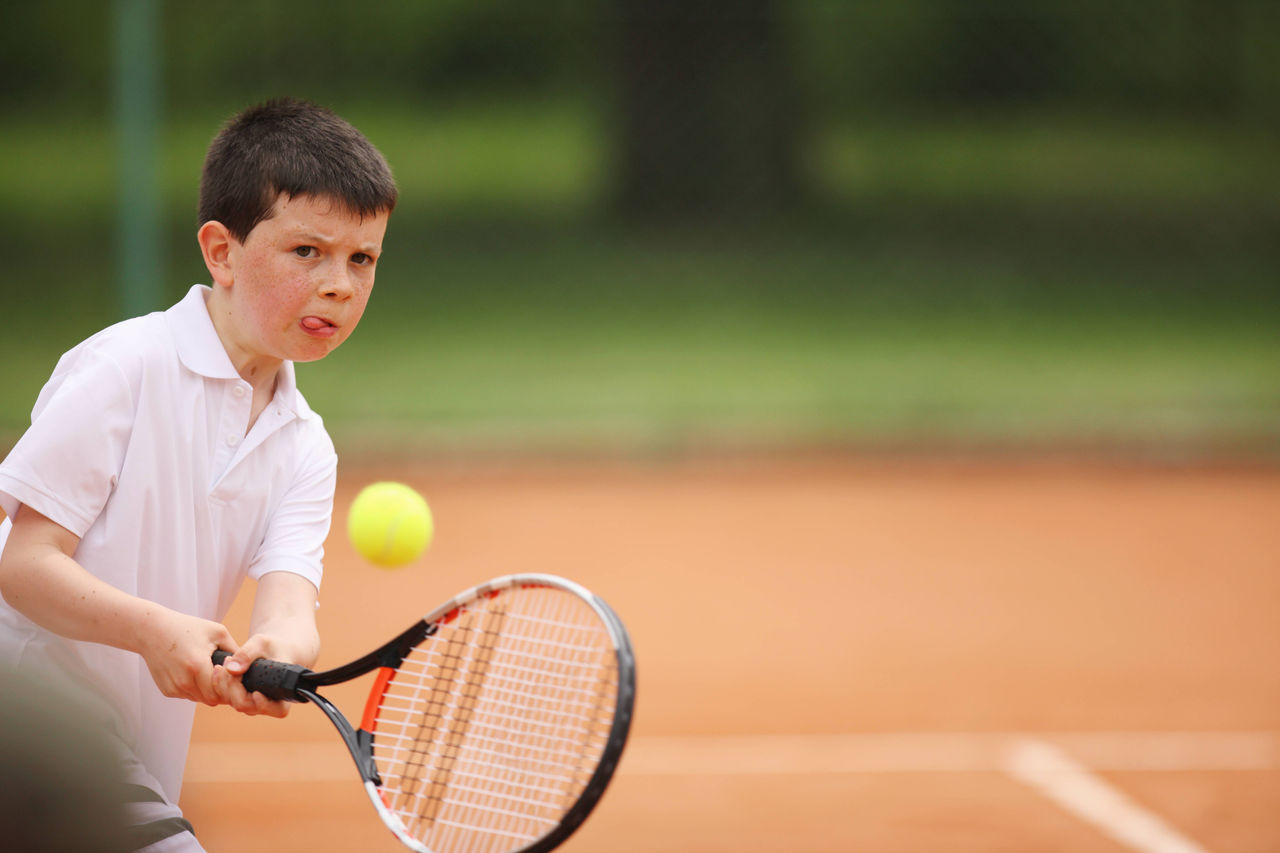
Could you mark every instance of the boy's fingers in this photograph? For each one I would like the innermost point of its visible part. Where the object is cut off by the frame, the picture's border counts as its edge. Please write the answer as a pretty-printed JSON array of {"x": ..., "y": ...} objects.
[
  {"x": 204, "y": 686},
  {"x": 276, "y": 709},
  {"x": 232, "y": 692},
  {"x": 268, "y": 707},
  {"x": 238, "y": 664},
  {"x": 222, "y": 684}
]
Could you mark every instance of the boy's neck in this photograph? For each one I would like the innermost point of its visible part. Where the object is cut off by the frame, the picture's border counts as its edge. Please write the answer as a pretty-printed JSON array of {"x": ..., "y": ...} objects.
[
  {"x": 262, "y": 398},
  {"x": 258, "y": 370}
]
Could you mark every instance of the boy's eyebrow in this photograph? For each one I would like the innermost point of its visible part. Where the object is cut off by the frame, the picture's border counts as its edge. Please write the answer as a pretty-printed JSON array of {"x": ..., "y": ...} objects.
[{"x": 309, "y": 236}]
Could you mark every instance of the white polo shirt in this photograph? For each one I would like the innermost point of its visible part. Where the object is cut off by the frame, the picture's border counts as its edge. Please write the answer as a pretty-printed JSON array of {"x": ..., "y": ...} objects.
[{"x": 138, "y": 446}]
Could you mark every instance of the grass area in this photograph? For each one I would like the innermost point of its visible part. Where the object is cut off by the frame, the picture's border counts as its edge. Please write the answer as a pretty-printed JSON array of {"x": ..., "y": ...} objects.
[
  {"x": 1033, "y": 281},
  {"x": 708, "y": 346}
]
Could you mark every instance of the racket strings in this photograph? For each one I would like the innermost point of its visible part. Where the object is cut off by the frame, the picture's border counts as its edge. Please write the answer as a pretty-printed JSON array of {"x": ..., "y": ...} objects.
[
  {"x": 490, "y": 730},
  {"x": 460, "y": 674}
]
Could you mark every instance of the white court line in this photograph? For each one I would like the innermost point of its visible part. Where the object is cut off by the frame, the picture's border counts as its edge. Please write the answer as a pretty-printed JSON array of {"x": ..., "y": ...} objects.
[
  {"x": 1050, "y": 771},
  {"x": 750, "y": 755},
  {"x": 1042, "y": 761}
]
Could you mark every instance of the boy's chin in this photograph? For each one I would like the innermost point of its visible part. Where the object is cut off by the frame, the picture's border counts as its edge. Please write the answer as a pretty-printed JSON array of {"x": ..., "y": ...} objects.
[
  {"x": 315, "y": 350},
  {"x": 309, "y": 357}
]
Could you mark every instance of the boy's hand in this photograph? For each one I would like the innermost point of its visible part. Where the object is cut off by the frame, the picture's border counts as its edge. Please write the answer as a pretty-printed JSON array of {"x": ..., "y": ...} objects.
[
  {"x": 177, "y": 648},
  {"x": 284, "y": 629},
  {"x": 227, "y": 678}
]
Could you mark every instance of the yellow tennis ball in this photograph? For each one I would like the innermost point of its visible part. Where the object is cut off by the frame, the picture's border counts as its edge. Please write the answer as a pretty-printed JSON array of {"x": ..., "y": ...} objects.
[{"x": 390, "y": 524}]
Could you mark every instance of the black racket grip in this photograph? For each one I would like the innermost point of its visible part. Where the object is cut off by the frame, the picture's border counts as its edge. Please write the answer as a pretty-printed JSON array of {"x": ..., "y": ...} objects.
[{"x": 271, "y": 678}]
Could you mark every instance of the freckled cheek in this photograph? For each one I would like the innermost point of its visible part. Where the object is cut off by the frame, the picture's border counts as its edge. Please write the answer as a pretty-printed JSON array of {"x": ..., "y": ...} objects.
[
  {"x": 279, "y": 295},
  {"x": 283, "y": 307},
  {"x": 359, "y": 301},
  {"x": 291, "y": 293}
]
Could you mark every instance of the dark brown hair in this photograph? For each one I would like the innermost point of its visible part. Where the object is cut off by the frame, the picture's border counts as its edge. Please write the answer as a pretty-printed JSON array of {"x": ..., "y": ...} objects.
[{"x": 293, "y": 147}]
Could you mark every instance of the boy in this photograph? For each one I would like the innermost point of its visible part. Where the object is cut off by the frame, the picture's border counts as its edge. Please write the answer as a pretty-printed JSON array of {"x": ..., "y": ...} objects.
[{"x": 171, "y": 456}]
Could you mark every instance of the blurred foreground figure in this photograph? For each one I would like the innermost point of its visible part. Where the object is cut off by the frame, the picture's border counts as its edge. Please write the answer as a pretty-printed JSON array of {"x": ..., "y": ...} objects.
[{"x": 63, "y": 791}]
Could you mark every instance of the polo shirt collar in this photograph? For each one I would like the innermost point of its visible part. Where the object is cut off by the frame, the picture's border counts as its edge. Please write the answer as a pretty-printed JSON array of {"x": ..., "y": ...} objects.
[
  {"x": 201, "y": 350},
  {"x": 287, "y": 391}
]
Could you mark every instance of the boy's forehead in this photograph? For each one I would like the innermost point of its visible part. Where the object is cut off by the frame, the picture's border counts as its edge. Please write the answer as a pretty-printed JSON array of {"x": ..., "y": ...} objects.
[
  {"x": 301, "y": 212},
  {"x": 301, "y": 203}
]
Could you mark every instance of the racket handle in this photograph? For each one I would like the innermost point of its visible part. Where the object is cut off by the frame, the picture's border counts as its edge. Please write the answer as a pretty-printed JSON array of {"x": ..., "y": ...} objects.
[{"x": 271, "y": 678}]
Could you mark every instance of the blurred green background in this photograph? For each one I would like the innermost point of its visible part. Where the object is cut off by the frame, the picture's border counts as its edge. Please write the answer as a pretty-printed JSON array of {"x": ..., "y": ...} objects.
[{"x": 667, "y": 227}]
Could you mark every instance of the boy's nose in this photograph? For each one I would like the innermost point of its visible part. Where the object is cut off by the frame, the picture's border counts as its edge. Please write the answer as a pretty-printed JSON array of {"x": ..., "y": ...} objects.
[{"x": 338, "y": 285}]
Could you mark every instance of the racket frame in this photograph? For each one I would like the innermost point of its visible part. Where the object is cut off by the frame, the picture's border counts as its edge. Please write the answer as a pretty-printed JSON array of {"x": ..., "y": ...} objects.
[{"x": 293, "y": 683}]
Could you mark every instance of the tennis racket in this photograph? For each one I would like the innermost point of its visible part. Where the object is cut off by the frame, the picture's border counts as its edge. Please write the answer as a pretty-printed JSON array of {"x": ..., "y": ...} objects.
[{"x": 494, "y": 724}]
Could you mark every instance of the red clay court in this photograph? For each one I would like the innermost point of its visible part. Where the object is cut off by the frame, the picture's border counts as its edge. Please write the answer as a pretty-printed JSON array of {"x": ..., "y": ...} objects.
[{"x": 843, "y": 654}]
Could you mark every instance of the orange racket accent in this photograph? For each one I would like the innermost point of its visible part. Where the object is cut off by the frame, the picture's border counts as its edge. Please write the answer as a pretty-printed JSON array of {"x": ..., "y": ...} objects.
[{"x": 370, "y": 719}]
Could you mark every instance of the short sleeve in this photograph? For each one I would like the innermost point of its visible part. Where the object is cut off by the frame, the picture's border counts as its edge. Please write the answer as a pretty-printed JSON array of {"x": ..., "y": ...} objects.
[
  {"x": 67, "y": 463},
  {"x": 294, "y": 541}
]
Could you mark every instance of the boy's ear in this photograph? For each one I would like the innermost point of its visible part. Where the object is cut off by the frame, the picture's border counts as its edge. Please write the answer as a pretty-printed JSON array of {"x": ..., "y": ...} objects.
[{"x": 216, "y": 245}]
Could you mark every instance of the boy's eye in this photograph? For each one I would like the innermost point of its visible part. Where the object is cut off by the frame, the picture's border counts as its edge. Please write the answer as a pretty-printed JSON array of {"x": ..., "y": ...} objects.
[
  {"x": 361, "y": 258},
  {"x": 305, "y": 251}
]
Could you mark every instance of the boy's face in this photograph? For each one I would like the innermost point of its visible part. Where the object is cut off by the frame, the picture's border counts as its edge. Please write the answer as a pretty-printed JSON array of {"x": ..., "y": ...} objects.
[{"x": 301, "y": 279}]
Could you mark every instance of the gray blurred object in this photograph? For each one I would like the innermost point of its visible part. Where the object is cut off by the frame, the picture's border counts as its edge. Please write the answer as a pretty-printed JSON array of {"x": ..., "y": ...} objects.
[{"x": 63, "y": 792}]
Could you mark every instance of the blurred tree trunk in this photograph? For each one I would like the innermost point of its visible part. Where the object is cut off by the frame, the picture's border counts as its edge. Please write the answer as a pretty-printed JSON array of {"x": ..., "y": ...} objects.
[{"x": 706, "y": 119}]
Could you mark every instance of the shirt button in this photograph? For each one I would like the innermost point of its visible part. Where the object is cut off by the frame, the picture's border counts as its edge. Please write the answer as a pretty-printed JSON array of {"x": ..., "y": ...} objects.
[
  {"x": 232, "y": 439},
  {"x": 238, "y": 390}
]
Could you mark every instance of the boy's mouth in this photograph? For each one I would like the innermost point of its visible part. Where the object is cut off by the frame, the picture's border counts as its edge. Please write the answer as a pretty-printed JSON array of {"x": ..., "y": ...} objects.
[{"x": 318, "y": 326}]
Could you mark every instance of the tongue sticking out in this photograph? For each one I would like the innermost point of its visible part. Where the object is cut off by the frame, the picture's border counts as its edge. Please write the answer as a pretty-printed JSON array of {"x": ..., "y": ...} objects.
[{"x": 314, "y": 323}]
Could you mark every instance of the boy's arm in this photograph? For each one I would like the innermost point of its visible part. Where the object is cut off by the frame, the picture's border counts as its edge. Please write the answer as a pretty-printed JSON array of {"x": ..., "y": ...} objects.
[
  {"x": 283, "y": 624},
  {"x": 40, "y": 579},
  {"x": 283, "y": 627}
]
